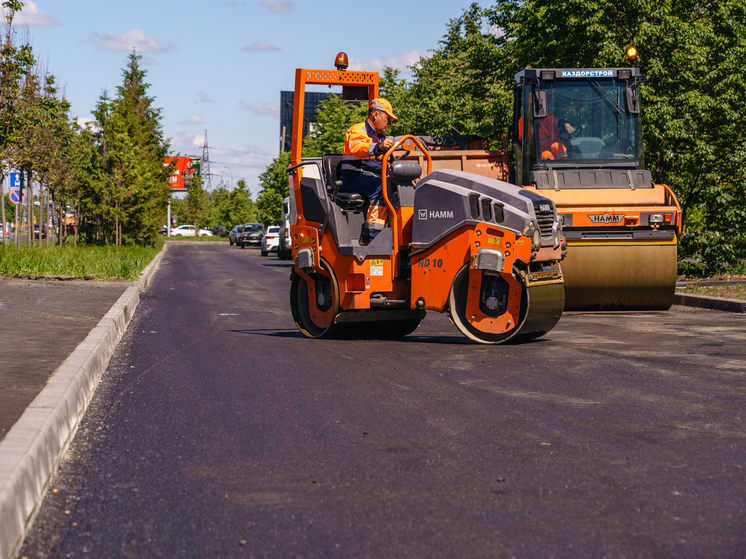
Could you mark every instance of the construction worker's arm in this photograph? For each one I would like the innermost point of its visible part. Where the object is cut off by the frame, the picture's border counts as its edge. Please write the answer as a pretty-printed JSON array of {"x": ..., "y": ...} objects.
[
  {"x": 359, "y": 144},
  {"x": 564, "y": 125}
]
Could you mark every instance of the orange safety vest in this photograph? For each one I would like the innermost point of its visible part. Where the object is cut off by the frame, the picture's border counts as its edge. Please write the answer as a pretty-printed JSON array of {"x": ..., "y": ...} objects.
[{"x": 549, "y": 141}]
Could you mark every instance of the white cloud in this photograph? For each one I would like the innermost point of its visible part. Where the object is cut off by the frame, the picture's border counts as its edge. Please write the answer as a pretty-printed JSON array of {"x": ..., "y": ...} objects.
[
  {"x": 260, "y": 47},
  {"x": 203, "y": 97},
  {"x": 193, "y": 119},
  {"x": 400, "y": 61},
  {"x": 131, "y": 39},
  {"x": 262, "y": 109},
  {"x": 33, "y": 16},
  {"x": 278, "y": 6},
  {"x": 88, "y": 123}
]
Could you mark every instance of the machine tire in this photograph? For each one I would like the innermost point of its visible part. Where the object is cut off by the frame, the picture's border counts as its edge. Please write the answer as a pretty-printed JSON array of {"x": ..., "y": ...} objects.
[
  {"x": 230, "y": 241},
  {"x": 457, "y": 311},
  {"x": 243, "y": 246},
  {"x": 264, "y": 252},
  {"x": 299, "y": 305}
]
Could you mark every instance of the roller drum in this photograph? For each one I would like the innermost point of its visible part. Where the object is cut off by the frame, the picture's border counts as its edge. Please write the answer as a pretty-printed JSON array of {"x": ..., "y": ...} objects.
[{"x": 619, "y": 277}]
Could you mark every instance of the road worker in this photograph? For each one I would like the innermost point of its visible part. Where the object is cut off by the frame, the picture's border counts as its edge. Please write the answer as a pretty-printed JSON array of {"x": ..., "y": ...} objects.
[
  {"x": 362, "y": 165},
  {"x": 551, "y": 131}
]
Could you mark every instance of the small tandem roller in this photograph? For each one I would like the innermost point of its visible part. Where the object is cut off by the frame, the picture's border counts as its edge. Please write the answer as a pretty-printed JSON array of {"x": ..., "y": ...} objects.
[{"x": 485, "y": 251}]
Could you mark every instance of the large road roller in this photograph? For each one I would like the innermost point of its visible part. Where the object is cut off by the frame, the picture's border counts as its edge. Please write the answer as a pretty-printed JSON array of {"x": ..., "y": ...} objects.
[
  {"x": 578, "y": 141},
  {"x": 485, "y": 251}
]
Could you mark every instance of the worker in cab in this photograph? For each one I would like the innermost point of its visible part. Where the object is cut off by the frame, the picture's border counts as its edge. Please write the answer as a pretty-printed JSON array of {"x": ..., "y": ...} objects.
[
  {"x": 553, "y": 133},
  {"x": 362, "y": 165}
]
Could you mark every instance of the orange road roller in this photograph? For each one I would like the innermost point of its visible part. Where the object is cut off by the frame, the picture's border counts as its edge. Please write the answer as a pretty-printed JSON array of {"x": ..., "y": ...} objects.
[
  {"x": 485, "y": 251},
  {"x": 578, "y": 140}
]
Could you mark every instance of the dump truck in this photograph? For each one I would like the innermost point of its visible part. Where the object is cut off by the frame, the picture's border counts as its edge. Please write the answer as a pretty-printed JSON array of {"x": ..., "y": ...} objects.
[{"x": 485, "y": 251}]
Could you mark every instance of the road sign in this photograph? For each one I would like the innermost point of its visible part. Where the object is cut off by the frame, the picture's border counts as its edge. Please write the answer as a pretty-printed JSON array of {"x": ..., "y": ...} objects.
[
  {"x": 16, "y": 196},
  {"x": 15, "y": 179}
]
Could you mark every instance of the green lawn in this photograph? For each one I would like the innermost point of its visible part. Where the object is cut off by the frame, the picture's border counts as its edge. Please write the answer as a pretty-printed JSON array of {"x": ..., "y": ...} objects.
[{"x": 89, "y": 262}]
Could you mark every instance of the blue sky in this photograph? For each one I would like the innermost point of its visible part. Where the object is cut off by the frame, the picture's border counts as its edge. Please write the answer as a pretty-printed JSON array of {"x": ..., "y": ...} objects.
[{"x": 219, "y": 65}]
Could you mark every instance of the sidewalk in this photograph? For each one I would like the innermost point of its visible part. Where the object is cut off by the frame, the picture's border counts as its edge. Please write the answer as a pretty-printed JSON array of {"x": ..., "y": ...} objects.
[{"x": 41, "y": 323}]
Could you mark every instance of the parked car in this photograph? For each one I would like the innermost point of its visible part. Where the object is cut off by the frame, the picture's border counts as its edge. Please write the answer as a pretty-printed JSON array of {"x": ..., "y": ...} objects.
[
  {"x": 252, "y": 234},
  {"x": 43, "y": 231},
  {"x": 235, "y": 233},
  {"x": 221, "y": 230},
  {"x": 271, "y": 240},
  {"x": 284, "y": 249},
  {"x": 188, "y": 231}
]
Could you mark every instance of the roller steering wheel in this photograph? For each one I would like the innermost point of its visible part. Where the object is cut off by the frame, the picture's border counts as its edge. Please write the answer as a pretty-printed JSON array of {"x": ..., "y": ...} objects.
[{"x": 408, "y": 145}]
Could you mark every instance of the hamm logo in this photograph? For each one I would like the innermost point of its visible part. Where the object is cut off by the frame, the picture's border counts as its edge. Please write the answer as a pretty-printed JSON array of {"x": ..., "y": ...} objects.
[
  {"x": 444, "y": 214},
  {"x": 606, "y": 218}
]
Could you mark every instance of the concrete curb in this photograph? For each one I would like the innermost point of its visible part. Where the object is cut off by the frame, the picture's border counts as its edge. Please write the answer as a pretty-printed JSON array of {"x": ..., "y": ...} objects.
[
  {"x": 713, "y": 303},
  {"x": 34, "y": 446}
]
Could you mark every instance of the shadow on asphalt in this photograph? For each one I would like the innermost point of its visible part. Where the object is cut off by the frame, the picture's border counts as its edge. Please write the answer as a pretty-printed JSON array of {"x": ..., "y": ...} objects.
[{"x": 274, "y": 333}]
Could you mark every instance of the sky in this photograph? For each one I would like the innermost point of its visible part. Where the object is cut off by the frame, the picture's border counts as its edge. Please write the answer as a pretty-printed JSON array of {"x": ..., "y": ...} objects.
[{"x": 218, "y": 66}]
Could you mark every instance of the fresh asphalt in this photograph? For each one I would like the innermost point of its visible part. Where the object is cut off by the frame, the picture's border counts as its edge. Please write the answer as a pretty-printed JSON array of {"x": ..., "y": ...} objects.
[{"x": 218, "y": 430}]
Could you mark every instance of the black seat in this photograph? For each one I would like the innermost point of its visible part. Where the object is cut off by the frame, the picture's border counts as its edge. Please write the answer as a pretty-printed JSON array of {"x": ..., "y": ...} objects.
[{"x": 331, "y": 163}]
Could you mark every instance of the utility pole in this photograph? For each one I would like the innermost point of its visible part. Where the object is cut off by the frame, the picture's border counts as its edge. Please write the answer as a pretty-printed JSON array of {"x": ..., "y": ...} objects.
[{"x": 205, "y": 170}]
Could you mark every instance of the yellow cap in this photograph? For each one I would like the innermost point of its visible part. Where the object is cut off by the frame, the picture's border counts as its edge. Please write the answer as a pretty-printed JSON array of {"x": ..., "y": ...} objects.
[{"x": 382, "y": 105}]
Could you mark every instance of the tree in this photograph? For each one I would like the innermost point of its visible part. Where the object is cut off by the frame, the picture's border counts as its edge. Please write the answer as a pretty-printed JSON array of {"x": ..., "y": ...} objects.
[
  {"x": 463, "y": 88},
  {"x": 692, "y": 53},
  {"x": 275, "y": 183},
  {"x": 235, "y": 206},
  {"x": 333, "y": 117},
  {"x": 15, "y": 63},
  {"x": 133, "y": 149},
  {"x": 196, "y": 204}
]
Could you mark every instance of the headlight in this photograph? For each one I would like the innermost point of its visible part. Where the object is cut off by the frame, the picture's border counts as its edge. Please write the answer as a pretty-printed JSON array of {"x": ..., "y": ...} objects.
[
  {"x": 557, "y": 227},
  {"x": 537, "y": 239},
  {"x": 656, "y": 218}
]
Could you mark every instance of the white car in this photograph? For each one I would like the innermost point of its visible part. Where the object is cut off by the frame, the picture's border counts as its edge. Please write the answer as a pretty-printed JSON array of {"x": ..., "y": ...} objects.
[
  {"x": 271, "y": 240},
  {"x": 188, "y": 231}
]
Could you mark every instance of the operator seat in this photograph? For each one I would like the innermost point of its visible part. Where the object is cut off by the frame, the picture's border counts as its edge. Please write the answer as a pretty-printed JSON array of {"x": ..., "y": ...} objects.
[{"x": 346, "y": 200}]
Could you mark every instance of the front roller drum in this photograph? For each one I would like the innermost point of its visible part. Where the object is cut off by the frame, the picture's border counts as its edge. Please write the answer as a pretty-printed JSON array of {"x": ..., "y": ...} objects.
[{"x": 491, "y": 308}]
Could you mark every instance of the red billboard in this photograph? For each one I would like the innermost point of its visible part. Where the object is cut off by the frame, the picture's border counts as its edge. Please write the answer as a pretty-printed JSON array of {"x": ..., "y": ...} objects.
[{"x": 184, "y": 169}]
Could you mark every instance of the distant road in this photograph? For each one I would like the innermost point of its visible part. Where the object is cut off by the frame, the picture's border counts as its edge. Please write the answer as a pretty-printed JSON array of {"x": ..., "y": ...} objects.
[{"x": 219, "y": 431}]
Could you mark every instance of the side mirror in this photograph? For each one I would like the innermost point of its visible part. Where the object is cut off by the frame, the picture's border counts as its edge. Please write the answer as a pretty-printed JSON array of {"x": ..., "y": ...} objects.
[
  {"x": 405, "y": 171},
  {"x": 633, "y": 100},
  {"x": 540, "y": 103}
]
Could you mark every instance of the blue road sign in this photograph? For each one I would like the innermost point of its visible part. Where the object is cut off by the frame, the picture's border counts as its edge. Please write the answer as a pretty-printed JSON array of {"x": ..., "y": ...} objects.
[
  {"x": 15, "y": 179},
  {"x": 16, "y": 196}
]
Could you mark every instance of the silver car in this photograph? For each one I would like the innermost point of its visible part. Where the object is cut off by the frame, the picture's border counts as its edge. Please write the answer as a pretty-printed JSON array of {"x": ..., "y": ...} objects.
[{"x": 235, "y": 234}]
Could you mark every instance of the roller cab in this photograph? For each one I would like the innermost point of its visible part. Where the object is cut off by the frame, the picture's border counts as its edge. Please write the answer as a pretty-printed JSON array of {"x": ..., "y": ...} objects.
[
  {"x": 480, "y": 249},
  {"x": 578, "y": 141}
]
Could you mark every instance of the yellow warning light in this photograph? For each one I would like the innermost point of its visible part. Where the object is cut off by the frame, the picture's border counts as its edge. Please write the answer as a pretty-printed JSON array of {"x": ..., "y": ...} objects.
[
  {"x": 341, "y": 63},
  {"x": 631, "y": 53}
]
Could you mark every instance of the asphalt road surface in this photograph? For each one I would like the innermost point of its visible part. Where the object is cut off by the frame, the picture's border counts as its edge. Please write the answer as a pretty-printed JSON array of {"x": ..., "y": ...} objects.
[{"x": 219, "y": 431}]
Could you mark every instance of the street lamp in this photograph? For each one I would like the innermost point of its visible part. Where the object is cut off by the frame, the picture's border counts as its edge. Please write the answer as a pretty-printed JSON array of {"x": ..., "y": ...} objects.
[{"x": 231, "y": 170}]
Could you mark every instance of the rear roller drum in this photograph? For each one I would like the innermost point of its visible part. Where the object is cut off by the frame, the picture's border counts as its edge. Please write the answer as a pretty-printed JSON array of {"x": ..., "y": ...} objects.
[{"x": 315, "y": 302}]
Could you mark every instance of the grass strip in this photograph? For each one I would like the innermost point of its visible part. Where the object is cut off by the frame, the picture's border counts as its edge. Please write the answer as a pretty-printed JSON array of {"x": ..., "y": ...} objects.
[
  {"x": 723, "y": 291},
  {"x": 92, "y": 262}
]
